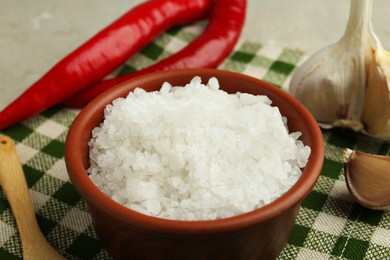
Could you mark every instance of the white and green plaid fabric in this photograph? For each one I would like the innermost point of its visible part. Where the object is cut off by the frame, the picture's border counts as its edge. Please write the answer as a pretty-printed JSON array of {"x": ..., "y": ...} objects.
[{"x": 330, "y": 225}]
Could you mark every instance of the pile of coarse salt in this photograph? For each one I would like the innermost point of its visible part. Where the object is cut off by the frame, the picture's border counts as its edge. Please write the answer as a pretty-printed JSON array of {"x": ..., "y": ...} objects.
[{"x": 194, "y": 152}]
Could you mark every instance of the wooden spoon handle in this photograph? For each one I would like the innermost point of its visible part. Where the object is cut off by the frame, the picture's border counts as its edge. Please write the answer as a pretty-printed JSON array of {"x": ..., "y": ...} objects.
[{"x": 15, "y": 188}]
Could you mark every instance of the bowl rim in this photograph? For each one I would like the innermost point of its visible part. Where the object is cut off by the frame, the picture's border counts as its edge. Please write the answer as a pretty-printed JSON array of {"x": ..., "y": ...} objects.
[{"x": 87, "y": 189}]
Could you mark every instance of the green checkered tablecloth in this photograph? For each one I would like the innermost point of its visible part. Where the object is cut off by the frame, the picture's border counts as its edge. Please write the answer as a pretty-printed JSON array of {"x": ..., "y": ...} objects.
[{"x": 330, "y": 225}]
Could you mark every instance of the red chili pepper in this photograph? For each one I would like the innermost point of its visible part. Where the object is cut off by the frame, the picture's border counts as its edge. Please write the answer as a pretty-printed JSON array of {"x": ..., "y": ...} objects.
[
  {"x": 208, "y": 50},
  {"x": 103, "y": 53}
]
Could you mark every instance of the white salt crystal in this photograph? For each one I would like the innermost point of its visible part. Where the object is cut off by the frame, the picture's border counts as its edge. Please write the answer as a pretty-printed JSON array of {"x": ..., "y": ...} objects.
[
  {"x": 166, "y": 88},
  {"x": 213, "y": 83},
  {"x": 152, "y": 205}
]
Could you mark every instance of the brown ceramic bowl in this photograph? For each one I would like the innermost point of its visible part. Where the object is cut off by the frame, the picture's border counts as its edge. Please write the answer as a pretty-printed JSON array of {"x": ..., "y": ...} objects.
[{"x": 260, "y": 234}]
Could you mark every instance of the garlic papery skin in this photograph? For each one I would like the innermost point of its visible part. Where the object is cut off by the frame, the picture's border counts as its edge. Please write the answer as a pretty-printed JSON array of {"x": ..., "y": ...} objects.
[
  {"x": 368, "y": 178},
  {"x": 331, "y": 83},
  {"x": 376, "y": 109}
]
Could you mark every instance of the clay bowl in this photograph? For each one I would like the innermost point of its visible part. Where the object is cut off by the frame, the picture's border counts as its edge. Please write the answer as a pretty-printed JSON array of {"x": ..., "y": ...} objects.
[{"x": 260, "y": 234}]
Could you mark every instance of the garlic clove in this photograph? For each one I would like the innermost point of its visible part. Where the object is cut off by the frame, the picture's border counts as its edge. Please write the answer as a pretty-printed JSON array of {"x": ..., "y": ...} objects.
[
  {"x": 376, "y": 108},
  {"x": 368, "y": 178}
]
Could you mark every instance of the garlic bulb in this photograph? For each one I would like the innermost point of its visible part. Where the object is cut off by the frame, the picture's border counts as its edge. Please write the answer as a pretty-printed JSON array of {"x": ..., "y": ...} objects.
[
  {"x": 368, "y": 178},
  {"x": 331, "y": 84},
  {"x": 347, "y": 84}
]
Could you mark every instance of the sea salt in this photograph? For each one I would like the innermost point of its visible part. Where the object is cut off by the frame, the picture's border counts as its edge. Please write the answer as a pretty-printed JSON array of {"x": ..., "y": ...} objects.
[{"x": 194, "y": 152}]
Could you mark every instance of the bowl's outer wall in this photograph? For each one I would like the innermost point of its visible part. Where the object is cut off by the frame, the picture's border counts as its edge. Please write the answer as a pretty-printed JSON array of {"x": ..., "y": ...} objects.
[
  {"x": 258, "y": 237},
  {"x": 263, "y": 241}
]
